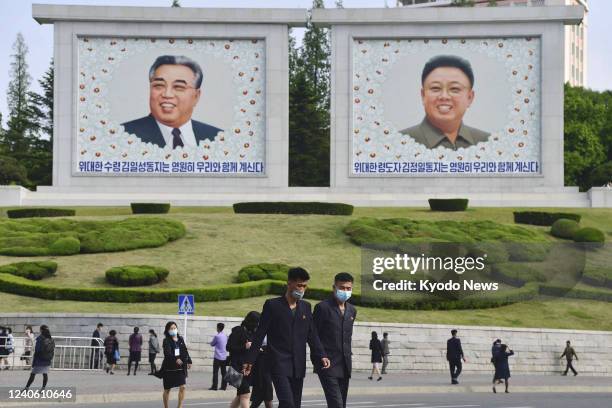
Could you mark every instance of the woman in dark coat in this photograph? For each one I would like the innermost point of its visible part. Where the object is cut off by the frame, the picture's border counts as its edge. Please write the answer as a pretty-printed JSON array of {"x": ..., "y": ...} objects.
[
  {"x": 43, "y": 356},
  {"x": 377, "y": 355},
  {"x": 238, "y": 344},
  {"x": 175, "y": 365},
  {"x": 502, "y": 369},
  {"x": 111, "y": 350}
]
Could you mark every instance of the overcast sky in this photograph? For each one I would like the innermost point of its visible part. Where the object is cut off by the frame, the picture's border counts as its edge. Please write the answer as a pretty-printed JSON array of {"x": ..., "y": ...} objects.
[{"x": 17, "y": 17}]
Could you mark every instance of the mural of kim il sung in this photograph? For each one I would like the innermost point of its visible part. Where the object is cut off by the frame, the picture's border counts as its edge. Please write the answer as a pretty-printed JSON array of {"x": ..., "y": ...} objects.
[
  {"x": 447, "y": 91},
  {"x": 174, "y": 91}
]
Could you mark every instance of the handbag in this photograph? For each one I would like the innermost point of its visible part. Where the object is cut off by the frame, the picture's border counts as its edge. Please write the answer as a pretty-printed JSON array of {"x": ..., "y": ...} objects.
[
  {"x": 117, "y": 356},
  {"x": 233, "y": 377}
]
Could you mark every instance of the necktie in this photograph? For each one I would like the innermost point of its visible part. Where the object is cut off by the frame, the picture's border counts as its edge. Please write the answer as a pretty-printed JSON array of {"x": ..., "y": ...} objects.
[{"x": 176, "y": 140}]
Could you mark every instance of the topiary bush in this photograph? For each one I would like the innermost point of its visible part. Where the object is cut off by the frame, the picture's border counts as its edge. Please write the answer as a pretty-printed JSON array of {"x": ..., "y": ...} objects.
[
  {"x": 564, "y": 228},
  {"x": 590, "y": 235},
  {"x": 65, "y": 246},
  {"x": 448, "y": 204},
  {"x": 42, "y": 237},
  {"x": 542, "y": 217},
  {"x": 136, "y": 275},
  {"x": 150, "y": 208},
  {"x": 293, "y": 208},
  {"x": 31, "y": 270},
  {"x": 275, "y": 271},
  {"x": 40, "y": 212},
  {"x": 516, "y": 274}
]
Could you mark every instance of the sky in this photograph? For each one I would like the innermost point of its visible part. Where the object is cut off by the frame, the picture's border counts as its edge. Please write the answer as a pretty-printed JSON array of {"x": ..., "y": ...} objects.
[{"x": 39, "y": 38}]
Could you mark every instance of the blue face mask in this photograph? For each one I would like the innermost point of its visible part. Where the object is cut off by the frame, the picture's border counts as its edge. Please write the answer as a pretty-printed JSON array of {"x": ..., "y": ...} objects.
[
  {"x": 172, "y": 332},
  {"x": 343, "y": 295},
  {"x": 297, "y": 294}
]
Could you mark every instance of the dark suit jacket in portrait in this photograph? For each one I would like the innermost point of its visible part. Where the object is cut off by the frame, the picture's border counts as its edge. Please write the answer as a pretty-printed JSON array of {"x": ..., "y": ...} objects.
[
  {"x": 427, "y": 134},
  {"x": 454, "y": 351},
  {"x": 288, "y": 332},
  {"x": 147, "y": 130},
  {"x": 336, "y": 332}
]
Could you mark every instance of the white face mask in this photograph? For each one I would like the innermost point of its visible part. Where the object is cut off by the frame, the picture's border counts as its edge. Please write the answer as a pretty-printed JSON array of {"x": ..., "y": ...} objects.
[{"x": 172, "y": 332}]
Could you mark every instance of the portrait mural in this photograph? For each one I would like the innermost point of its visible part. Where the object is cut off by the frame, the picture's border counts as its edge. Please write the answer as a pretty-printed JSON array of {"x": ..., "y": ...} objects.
[
  {"x": 170, "y": 106},
  {"x": 446, "y": 106}
]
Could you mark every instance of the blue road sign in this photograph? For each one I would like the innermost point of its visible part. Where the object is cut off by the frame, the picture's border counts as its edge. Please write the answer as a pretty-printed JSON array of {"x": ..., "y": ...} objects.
[{"x": 186, "y": 304}]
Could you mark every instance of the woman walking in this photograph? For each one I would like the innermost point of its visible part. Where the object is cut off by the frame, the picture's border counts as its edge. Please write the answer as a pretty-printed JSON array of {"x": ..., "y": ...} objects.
[
  {"x": 43, "y": 355},
  {"x": 153, "y": 350},
  {"x": 135, "y": 345},
  {"x": 111, "y": 351},
  {"x": 175, "y": 365},
  {"x": 28, "y": 345},
  {"x": 377, "y": 354},
  {"x": 502, "y": 368},
  {"x": 238, "y": 344}
]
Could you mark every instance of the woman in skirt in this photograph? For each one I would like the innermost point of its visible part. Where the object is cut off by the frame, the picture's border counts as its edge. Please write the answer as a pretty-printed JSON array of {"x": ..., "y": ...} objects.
[
  {"x": 175, "y": 365},
  {"x": 43, "y": 355},
  {"x": 502, "y": 368},
  {"x": 377, "y": 353}
]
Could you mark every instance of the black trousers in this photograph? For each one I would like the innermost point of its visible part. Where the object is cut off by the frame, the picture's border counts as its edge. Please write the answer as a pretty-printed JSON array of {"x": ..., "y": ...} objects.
[
  {"x": 288, "y": 391},
  {"x": 455, "y": 368},
  {"x": 569, "y": 366},
  {"x": 219, "y": 364},
  {"x": 335, "y": 389}
]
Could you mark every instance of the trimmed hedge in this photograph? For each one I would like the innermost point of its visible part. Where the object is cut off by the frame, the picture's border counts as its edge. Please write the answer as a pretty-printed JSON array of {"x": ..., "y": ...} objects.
[
  {"x": 136, "y": 275},
  {"x": 263, "y": 271},
  {"x": 42, "y": 237},
  {"x": 448, "y": 204},
  {"x": 150, "y": 208},
  {"x": 590, "y": 235},
  {"x": 293, "y": 208},
  {"x": 576, "y": 293},
  {"x": 30, "y": 270},
  {"x": 542, "y": 217},
  {"x": 516, "y": 274},
  {"x": 564, "y": 228},
  {"x": 40, "y": 212}
]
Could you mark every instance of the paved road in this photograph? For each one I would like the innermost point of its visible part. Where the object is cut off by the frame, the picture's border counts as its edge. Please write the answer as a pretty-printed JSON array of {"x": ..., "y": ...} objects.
[{"x": 418, "y": 401}]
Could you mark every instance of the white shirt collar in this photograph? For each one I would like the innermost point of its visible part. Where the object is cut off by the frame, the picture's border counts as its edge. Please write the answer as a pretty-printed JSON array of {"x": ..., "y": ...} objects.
[{"x": 186, "y": 134}]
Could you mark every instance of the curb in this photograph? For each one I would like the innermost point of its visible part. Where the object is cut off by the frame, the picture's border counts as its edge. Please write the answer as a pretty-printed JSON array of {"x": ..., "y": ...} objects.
[{"x": 311, "y": 391}]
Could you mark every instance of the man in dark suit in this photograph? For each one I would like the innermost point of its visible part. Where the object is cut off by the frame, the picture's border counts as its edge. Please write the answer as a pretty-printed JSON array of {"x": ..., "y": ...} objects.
[
  {"x": 334, "y": 318},
  {"x": 94, "y": 357},
  {"x": 454, "y": 355},
  {"x": 288, "y": 323},
  {"x": 174, "y": 92}
]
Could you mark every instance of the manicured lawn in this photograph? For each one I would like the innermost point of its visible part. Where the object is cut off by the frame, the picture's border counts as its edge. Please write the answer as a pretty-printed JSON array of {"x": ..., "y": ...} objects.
[{"x": 557, "y": 313}]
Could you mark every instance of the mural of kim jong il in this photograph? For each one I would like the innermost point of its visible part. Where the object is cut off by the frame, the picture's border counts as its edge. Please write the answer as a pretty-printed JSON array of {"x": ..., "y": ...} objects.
[
  {"x": 174, "y": 91},
  {"x": 447, "y": 91}
]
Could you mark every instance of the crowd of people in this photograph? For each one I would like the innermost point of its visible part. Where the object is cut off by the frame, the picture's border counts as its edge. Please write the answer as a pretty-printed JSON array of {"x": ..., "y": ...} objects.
[{"x": 266, "y": 353}]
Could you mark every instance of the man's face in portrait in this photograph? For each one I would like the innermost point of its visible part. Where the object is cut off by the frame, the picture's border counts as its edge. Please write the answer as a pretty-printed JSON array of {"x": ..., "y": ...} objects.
[
  {"x": 446, "y": 94},
  {"x": 173, "y": 95}
]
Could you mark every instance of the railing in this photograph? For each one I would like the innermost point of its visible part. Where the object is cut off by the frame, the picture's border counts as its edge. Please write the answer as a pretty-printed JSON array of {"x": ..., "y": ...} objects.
[{"x": 71, "y": 353}]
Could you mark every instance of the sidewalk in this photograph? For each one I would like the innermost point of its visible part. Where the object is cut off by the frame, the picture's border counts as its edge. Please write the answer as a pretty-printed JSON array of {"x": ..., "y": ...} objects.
[{"x": 100, "y": 387}]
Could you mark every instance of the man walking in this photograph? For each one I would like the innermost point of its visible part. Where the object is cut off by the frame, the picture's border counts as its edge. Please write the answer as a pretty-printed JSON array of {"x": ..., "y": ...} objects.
[
  {"x": 219, "y": 342},
  {"x": 96, "y": 337},
  {"x": 454, "y": 355},
  {"x": 287, "y": 321},
  {"x": 334, "y": 318},
  {"x": 569, "y": 353},
  {"x": 385, "y": 348}
]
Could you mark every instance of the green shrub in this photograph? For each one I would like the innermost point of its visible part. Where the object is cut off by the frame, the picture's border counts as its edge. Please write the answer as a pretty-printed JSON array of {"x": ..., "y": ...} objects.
[
  {"x": 150, "y": 208},
  {"x": 448, "y": 204},
  {"x": 575, "y": 293},
  {"x": 263, "y": 271},
  {"x": 293, "y": 208},
  {"x": 496, "y": 252},
  {"x": 65, "y": 246},
  {"x": 564, "y": 228},
  {"x": 542, "y": 218},
  {"x": 30, "y": 270},
  {"x": 516, "y": 274},
  {"x": 527, "y": 252},
  {"x": 136, "y": 275},
  {"x": 590, "y": 235},
  {"x": 36, "y": 236},
  {"x": 598, "y": 276},
  {"x": 40, "y": 212}
]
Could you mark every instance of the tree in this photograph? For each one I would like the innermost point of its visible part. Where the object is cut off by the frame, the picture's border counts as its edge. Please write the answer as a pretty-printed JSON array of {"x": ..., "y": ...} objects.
[
  {"x": 309, "y": 101},
  {"x": 12, "y": 172},
  {"x": 42, "y": 104}
]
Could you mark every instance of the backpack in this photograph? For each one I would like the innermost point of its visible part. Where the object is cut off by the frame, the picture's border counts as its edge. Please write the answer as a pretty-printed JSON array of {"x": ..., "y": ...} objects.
[{"x": 47, "y": 349}]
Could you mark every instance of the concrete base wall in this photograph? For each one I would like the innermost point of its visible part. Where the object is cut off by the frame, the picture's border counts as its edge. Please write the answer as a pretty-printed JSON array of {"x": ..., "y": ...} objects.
[{"x": 414, "y": 347}]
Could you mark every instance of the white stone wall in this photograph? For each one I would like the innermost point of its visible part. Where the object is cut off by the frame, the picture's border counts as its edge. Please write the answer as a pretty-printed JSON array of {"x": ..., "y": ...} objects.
[{"x": 414, "y": 347}]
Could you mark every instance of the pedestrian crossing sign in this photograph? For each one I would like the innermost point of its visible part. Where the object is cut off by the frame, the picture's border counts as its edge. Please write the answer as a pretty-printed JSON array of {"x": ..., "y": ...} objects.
[{"x": 186, "y": 305}]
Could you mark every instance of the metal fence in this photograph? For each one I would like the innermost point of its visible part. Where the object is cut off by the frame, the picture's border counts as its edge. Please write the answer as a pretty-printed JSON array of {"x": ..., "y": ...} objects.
[{"x": 71, "y": 353}]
